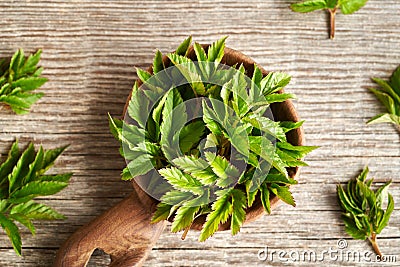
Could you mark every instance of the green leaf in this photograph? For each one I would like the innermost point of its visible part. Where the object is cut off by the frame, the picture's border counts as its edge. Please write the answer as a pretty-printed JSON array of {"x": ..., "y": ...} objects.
[
  {"x": 50, "y": 156},
  {"x": 138, "y": 108},
  {"x": 227, "y": 173},
  {"x": 197, "y": 167},
  {"x": 7, "y": 166},
  {"x": 216, "y": 50},
  {"x": 345, "y": 202},
  {"x": 13, "y": 233},
  {"x": 264, "y": 194},
  {"x": 25, "y": 221},
  {"x": 287, "y": 126},
  {"x": 275, "y": 98},
  {"x": 386, "y": 88},
  {"x": 221, "y": 209},
  {"x": 162, "y": 212},
  {"x": 184, "y": 46},
  {"x": 190, "y": 135},
  {"x": 158, "y": 64},
  {"x": 36, "y": 211},
  {"x": 308, "y": 6},
  {"x": 238, "y": 210},
  {"x": 181, "y": 181},
  {"x": 351, "y": 6},
  {"x": 385, "y": 220},
  {"x": 21, "y": 168},
  {"x": 283, "y": 193},
  {"x": 184, "y": 218},
  {"x": 386, "y": 100},
  {"x": 274, "y": 82},
  {"x": 395, "y": 81},
  {"x": 143, "y": 75},
  {"x": 352, "y": 229},
  {"x": 139, "y": 166},
  {"x": 34, "y": 189},
  {"x": 386, "y": 117},
  {"x": 251, "y": 195},
  {"x": 200, "y": 53},
  {"x": 22, "y": 78}
]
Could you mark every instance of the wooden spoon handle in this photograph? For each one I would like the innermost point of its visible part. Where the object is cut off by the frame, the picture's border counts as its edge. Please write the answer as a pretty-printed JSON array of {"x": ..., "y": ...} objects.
[{"x": 124, "y": 232}]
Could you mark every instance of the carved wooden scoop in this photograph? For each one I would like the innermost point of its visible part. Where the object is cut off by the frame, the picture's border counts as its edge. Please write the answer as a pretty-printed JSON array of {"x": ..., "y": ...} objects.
[{"x": 125, "y": 231}]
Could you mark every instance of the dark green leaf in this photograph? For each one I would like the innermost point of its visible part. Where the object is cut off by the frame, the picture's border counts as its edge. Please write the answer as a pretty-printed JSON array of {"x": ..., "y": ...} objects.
[
  {"x": 238, "y": 210},
  {"x": 13, "y": 233},
  {"x": 190, "y": 135},
  {"x": 264, "y": 194}
]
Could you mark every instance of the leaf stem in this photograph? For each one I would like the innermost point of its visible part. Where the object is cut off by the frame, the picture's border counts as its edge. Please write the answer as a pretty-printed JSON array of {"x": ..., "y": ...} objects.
[
  {"x": 372, "y": 240},
  {"x": 332, "y": 12},
  {"x": 186, "y": 231}
]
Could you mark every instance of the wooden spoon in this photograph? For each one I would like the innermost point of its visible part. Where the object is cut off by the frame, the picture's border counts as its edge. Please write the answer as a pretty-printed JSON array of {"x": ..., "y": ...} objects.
[{"x": 125, "y": 231}]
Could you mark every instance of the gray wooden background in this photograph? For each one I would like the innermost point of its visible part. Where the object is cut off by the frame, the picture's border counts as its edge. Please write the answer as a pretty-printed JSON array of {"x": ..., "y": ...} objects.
[{"x": 90, "y": 50}]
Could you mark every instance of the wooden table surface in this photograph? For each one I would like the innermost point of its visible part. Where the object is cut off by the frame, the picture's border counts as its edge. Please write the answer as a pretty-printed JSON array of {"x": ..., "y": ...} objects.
[{"x": 90, "y": 49}]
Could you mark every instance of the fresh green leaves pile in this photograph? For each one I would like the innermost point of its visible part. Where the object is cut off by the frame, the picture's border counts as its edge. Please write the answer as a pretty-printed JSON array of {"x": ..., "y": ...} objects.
[
  {"x": 389, "y": 96},
  {"x": 156, "y": 135},
  {"x": 364, "y": 216},
  {"x": 18, "y": 79},
  {"x": 22, "y": 178},
  {"x": 346, "y": 6}
]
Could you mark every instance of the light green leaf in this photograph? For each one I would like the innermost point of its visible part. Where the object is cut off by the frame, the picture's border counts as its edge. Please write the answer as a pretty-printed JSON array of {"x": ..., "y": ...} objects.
[
  {"x": 29, "y": 83},
  {"x": 351, "y": 6},
  {"x": 184, "y": 46},
  {"x": 283, "y": 193},
  {"x": 184, "y": 218},
  {"x": 385, "y": 117},
  {"x": 36, "y": 211},
  {"x": 287, "y": 126},
  {"x": 181, "y": 181},
  {"x": 308, "y": 6},
  {"x": 395, "y": 81},
  {"x": 216, "y": 50},
  {"x": 274, "y": 82},
  {"x": 221, "y": 209}
]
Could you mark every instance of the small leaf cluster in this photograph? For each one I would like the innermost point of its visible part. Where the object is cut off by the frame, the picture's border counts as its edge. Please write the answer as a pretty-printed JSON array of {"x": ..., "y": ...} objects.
[
  {"x": 332, "y": 6},
  {"x": 195, "y": 180},
  {"x": 22, "y": 178},
  {"x": 18, "y": 79},
  {"x": 389, "y": 96},
  {"x": 363, "y": 212}
]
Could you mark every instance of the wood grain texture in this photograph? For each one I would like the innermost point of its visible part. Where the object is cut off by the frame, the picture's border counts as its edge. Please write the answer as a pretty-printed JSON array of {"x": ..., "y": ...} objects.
[{"x": 90, "y": 49}]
